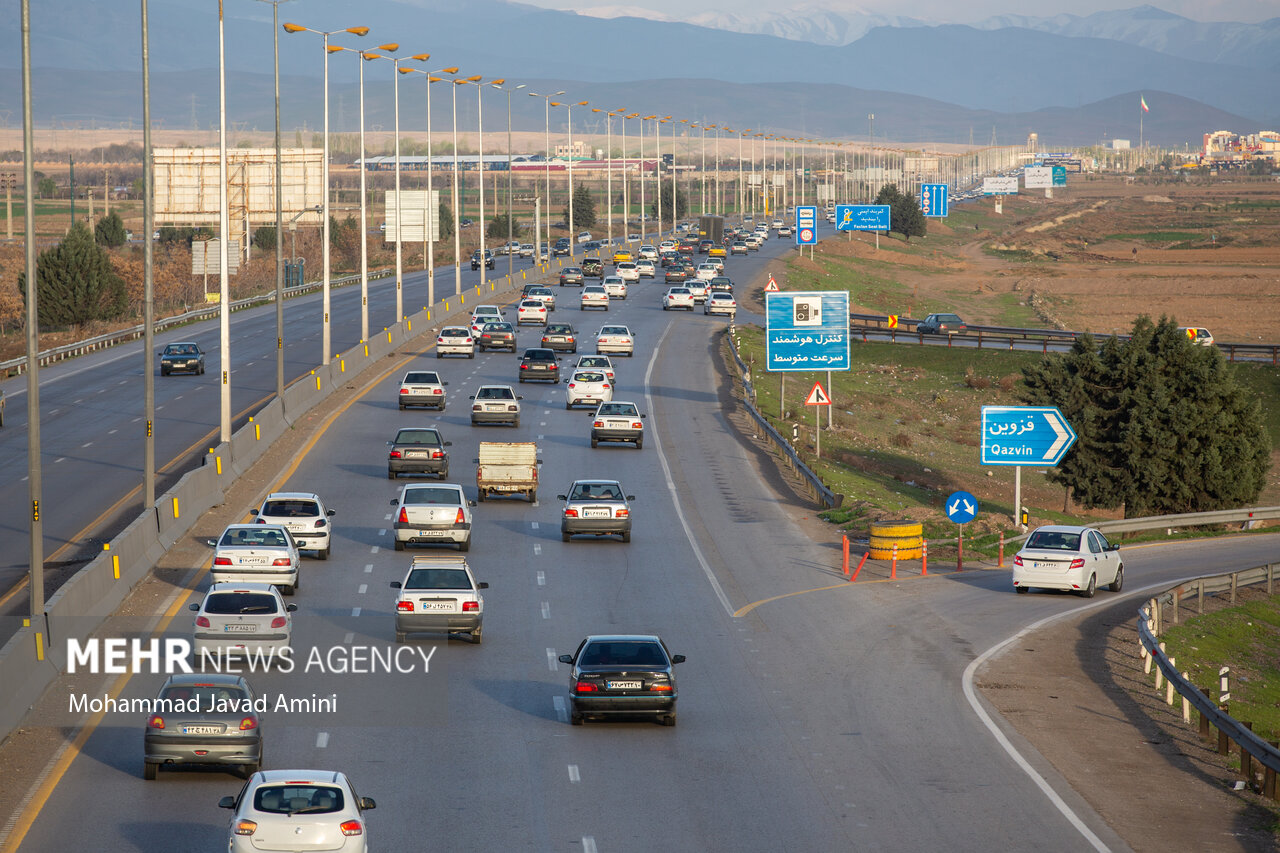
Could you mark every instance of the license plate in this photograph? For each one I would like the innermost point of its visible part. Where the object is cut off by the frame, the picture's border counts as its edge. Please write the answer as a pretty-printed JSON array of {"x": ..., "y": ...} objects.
[
  {"x": 437, "y": 605},
  {"x": 433, "y": 532},
  {"x": 201, "y": 730},
  {"x": 623, "y": 685},
  {"x": 239, "y": 628},
  {"x": 1042, "y": 565},
  {"x": 252, "y": 561},
  {"x": 596, "y": 513},
  {"x": 494, "y": 408},
  {"x": 617, "y": 424}
]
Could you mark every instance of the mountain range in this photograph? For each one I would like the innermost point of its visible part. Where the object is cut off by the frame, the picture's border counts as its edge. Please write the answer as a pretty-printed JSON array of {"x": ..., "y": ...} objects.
[{"x": 1073, "y": 80}]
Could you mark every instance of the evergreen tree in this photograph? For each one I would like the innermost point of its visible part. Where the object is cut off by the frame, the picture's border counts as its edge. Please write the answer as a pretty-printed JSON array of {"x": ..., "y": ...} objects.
[
  {"x": 1164, "y": 426},
  {"x": 584, "y": 208},
  {"x": 110, "y": 231},
  {"x": 498, "y": 228},
  {"x": 905, "y": 216},
  {"x": 445, "y": 229},
  {"x": 265, "y": 237},
  {"x": 76, "y": 283},
  {"x": 667, "y": 188}
]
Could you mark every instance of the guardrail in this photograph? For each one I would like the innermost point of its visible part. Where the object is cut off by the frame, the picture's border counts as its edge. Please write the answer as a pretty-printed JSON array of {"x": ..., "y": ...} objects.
[
  {"x": 18, "y": 366},
  {"x": 1245, "y": 515},
  {"x": 1216, "y": 715},
  {"x": 821, "y": 493}
]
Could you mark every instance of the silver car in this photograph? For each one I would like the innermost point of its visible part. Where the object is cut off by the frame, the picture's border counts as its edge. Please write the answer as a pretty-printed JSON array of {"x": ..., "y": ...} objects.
[
  {"x": 297, "y": 810},
  {"x": 617, "y": 421},
  {"x": 242, "y": 619},
  {"x": 262, "y": 553},
  {"x": 587, "y": 386},
  {"x": 203, "y": 718},
  {"x": 304, "y": 515},
  {"x": 439, "y": 594},
  {"x": 428, "y": 514},
  {"x": 495, "y": 404},
  {"x": 597, "y": 508},
  {"x": 455, "y": 340},
  {"x": 422, "y": 388}
]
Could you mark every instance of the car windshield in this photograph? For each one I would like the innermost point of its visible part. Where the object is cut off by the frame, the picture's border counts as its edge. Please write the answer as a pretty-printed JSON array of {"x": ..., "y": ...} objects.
[
  {"x": 615, "y": 330},
  {"x": 180, "y": 349},
  {"x": 422, "y": 495},
  {"x": 595, "y": 492},
  {"x": 422, "y": 378},
  {"x": 253, "y": 537},
  {"x": 228, "y": 603},
  {"x": 594, "y": 289},
  {"x": 571, "y": 270},
  {"x": 559, "y": 329},
  {"x": 298, "y": 798},
  {"x": 208, "y": 696},
  {"x": 495, "y": 394},
  {"x": 679, "y": 291},
  {"x": 948, "y": 318},
  {"x": 594, "y": 361},
  {"x": 539, "y": 355},
  {"x": 489, "y": 328},
  {"x": 617, "y": 409},
  {"x": 588, "y": 376},
  {"x": 623, "y": 653},
  {"x": 438, "y": 579},
  {"x": 1054, "y": 540},
  {"x": 532, "y": 303},
  {"x": 291, "y": 508}
]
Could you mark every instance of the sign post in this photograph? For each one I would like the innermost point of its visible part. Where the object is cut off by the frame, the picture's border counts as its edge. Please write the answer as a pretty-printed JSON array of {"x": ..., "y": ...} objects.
[
  {"x": 818, "y": 397},
  {"x": 1018, "y": 435}
]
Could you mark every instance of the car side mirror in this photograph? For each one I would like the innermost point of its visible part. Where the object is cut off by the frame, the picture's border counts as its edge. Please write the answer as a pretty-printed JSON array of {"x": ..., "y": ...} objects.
[
  {"x": 253, "y": 512},
  {"x": 395, "y": 584},
  {"x": 631, "y": 497},
  {"x": 472, "y": 397},
  {"x": 677, "y": 659},
  {"x": 395, "y": 501},
  {"x": 476, "y": 460},
  {"x": 444, "y": 383},
  {"x": 643, "y": 416},
  {"x": 367, "y": 803},
  {"x": 391, "y": 444},
  {"x": 227, "y": 803},
  {"x": 565, "y": 658},
  {"x": 331, "y": 512},
  {"x": 561, "y": 498},
  {"x": 194, "y": 607},
  {"x": 482, "y": 585},
  {"x": 290, "y": 608},
  {"x": 471, "y": 503},
  {"x": 448, "y": 444},
  {"x": 519, "y": 396},
  {"x": 212, "y": 543}
]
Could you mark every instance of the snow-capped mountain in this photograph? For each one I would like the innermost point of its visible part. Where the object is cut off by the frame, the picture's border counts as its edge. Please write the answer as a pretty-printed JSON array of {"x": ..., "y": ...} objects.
[{"x": 827, "y": 24}]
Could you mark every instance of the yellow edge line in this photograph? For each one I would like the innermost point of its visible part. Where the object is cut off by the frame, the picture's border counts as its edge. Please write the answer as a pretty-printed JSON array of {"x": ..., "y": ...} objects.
[{"x": 26, "y": 820}]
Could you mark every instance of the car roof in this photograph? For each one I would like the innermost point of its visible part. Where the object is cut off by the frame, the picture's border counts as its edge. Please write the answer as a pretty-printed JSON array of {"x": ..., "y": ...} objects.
[
  {"x": 328, "y": 777},
  {"x": 241, "y": 586},
  {"x": 191, "y": 678},
  {"x": 592, "y": 638},
  {"x": 410, "y": 486},
  {"x": 507, "y": 387},
  {"x": 596, "y": 480},
  {"x": 255, "y": 526},
  {"x": 1064, "y": 528},
  {"x": 284, "y": 496}
]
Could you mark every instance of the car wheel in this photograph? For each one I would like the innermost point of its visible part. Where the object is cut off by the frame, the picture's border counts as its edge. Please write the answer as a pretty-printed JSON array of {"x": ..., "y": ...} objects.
[
  {"x": 465, "y": 545},
  {"x": 595, "y": 442},
  {"x": 324, "y": 554},
  {"x": 567, "y": 405},
  {"x": 444, "y": 474},
  {"x": 565, "y": 537},
  {"x": 477, "y": 635},
  {"x": 664, "y": 308},
  {"x": 402, "y": 407},
  {"x": 1117, "y": 584},
  {"x": 667, "y": 719},
  {"x": 164, "y": 372},
  {"x": 575, "y": 718},
  {"x": 149, "y": 770},
  {"x": 438, "y": 354},
  {"x": 202, "y": 370},
  {"x": 399, "y": 545},
  {"x": 516, "y": 422},
  {"x": 533, "y": 496},
  {"x": 247, "y": 770},
  {"x": 626, "y": 536},
  {"x": 400, "y": 637},
  {"x": 471, "y": 354},
  {"x": 1089, "y": 590},
  {"x": 639, "y": 443},
  {"x": 480, "y": 495},
  {"x": 287, "y": 590},
  {"x": 1022, "y": 590}
]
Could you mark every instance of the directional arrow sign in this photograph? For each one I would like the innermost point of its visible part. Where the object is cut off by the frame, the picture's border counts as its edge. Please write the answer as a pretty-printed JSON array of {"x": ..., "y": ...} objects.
[
  {"x": 1025, "y": 435},
  {"x": 817, "y": 396},
  {"x": 961, "y": 507}
]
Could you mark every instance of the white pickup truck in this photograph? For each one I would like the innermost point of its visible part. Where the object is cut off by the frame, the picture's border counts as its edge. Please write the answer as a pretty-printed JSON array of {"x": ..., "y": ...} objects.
[{"x": 507, "y": 468}]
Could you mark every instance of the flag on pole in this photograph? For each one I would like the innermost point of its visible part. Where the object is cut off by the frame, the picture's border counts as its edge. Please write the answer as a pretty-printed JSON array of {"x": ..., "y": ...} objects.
[{"x": 1143, "y": 101}]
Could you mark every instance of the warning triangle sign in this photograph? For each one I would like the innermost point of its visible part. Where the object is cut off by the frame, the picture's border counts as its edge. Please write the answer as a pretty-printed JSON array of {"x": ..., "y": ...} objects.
[
  {"x": 772, "y": 286},
  {"x": 818, "y": 396}
]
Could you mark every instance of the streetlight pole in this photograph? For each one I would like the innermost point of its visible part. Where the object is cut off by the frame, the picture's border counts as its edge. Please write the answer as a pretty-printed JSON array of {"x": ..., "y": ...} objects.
[
  {"x": 546, "y": 100},
  {"x": 484, "y": 268},
  {"x": 279, "y": 180},
  {"x": 224, "y": 284},
  {"x": 432, "y": 214},
  {"x": 457, "y": 219},
  {"x": 324, "y": 234},
  {"x": 644, "y": 213},
  {"x": 148, "y": 266},
  {"x": 511, "y": 264},
  {"x": 657, "y": 136},
  {"x": 568, "y": 111}
]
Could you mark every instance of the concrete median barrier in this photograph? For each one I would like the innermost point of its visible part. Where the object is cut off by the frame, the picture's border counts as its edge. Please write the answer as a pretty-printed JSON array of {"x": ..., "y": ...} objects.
[{"x": 24, "y": 676}]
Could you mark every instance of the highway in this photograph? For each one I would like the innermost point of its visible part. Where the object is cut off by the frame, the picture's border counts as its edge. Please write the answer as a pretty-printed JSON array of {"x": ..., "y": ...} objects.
[{"x": 832, "y": 718}]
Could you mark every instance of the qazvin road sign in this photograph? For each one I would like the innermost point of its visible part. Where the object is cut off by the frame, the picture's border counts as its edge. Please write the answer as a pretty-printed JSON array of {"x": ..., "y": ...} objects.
[{"x": 1025, "y": 435}]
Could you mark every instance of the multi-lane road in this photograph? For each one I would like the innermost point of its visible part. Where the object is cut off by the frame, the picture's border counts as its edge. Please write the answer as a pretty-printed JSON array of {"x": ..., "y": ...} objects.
[{"x": 828, "y": 716}]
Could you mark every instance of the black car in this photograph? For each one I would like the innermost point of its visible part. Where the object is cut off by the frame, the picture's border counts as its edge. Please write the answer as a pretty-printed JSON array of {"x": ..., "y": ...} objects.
[
  {"x": 214, "y": 725},
  {"x": 720, "y": 284},
  {"x": 539, "y": 363},
  {"x": 488, "y": 259},
  {"x": 622, "y": 675},
  {"x": 560, "y": 337},
  {"x": 497, "y": 336},
  {"x": 562, "y": 247},
  {"x": 185, "y": 357},
  {"x": 676, "y": 273},
  {"x": 418, "y": 450},
  {"x": 592, "y": 268},
  {"x": 571, "y": 275},
  {"x": 939, "y": 324}
]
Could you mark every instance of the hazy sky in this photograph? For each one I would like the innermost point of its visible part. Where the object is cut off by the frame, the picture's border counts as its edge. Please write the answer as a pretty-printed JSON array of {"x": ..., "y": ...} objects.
[{"x": 945, "y": 11}]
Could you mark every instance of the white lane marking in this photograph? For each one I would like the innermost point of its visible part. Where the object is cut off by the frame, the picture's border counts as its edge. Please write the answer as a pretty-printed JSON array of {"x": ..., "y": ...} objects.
[
  {"x": 362, "y": 589},
  {"x": 541, "y": 436},
  {"x": 552, "y": 663},
  {"x": 588, "y": 844},
  {"x": 86, "y": 444},
  {"x": 368, "y": 568},
  {"x": 382, "y": 532},
  {"x": 60, "y": 459},
  {"x": 348, "y": 637},
  {"x": 55, "y": 411},
  {"x": 542, "y": 578},
  {"x": 574, "y": 775},
  {"x": 123, "y": 382},
  {"x": 374, "y": 549},
  {"x": 533, "y": 525},
  {"x": 179, "y": 397},
  {"x": 322, "y": 740},
  {"x": 112, "y": 431},
  {"x": 135, "y": 420},
  {"x": 355, "y": 611},
  {"x": 671, "y": 485},
  {"x": 387, "y": 517},
  {"x": 537, "y": 548},
  {"x": 546, "y": 610},
  {"x": 562, "y": 714},
  {"x": 78, "y": 402}
]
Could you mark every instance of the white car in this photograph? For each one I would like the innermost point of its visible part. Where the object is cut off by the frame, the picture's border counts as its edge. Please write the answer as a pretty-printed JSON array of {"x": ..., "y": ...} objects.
[
  {"x": 422, "y": 388},
  {"x": 430, "y": 513},
  {"x": 698, "y": 287},
  {"x": 484, "y": 314},
  {"x": 455, "y": 340},
  {"x": 776, "y": 224},
  {"x": 739, "y": 247},
  {"x": 543, "y": 293},
  {"x": 720, "y": 302},
  {"x": 708, "y": 271},
  {"x": 646, "y": 269},
  {"x": 258, "y": 553},
  {"x": 589, "y": 387},
  {"x": 1068, "y": 557},
  {"x": 304, "y": 515},
  {"x": 753, "y": 241},
  {"x": 439, "y": 594},
  {"x": 666, "y": 246},
  {"x": 615, "y": 287},
  {"x": 598, "y": 362},
  {"x": 241, "y": 619},
  {"x": 617, "y": 421},
  {"x": 531, "y": 311},
  {"x": 297, "y": 810},
  {"x": 526, "y": 250},
  {"x": 785, "y": 231},
  {"x": 615, "y": 339},
  {"x": 495, "y": 404},
  {"x": 627, "y": 271},
  {"x": 677, "y": 297},
  {"x": 593, "y": 296},
  {"x": 648, "y": 252}
]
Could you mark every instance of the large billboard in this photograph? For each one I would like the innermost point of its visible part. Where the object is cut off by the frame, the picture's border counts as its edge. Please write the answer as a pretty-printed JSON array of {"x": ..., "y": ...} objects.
[
  {"x": 1037, "y": 177},
  {"x": 416, "y": 211},
  {"x": 1000, "y": 186}
]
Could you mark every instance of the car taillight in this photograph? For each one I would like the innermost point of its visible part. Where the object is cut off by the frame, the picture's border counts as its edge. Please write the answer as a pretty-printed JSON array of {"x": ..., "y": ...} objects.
[
  {"x": 475, "y": 407},
  {"x": 460, "y": 518},
  {"x": 321, "y": 522},
  {"x": 395, "y": 454},
  {"x": 622, "y": 513},
  {"x": 598, "y": 424},
  {"x": 279, "y": 622},
  {"x": 244, "y": 827},
  {"x": 404, "y": 606},
  {"x": 404, "y": 390},
  {"x": 248, "y": 723},
  {"x": 439, "y": 340},
  {"x": 660, "y": 687},
  {"x": 570, "y": 512},
  {"x": 1077, "y": 563},
  {"x": 156, "y": 722},
  {"x": 1017, "y": 559},
  {"x": 280, "y": 561},
  {"x": 586, "y": 687},
  {"x": 437, "y": 454},
  {"x": 524, "y": 367},
  {"x": 404, "y": 516},
  {"x": 222, "y": 561},
  {"x": 351, "y": 827},
  {"x": 470, "y": 606},
  {"x": 202, "y": 621},
  {"x": 573, "y": 385},
  {"x": 637, "y": 425}
]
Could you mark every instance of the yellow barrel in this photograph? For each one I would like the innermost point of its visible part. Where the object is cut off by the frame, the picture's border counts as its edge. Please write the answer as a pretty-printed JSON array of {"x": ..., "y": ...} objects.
[{"x": 907, "y": 535}]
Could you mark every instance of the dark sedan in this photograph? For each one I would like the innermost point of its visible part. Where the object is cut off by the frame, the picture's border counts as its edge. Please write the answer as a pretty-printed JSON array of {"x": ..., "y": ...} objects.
[
  {"x": 941, "y": 324},
  {"x": 497, "y": 336},
  {"x": 185, "y": 357},
  {"x": 677, "y": 272},
  {"x": 560, "y": 337},
  {"x": 539, "y": 363},
  {"x": 418, "y": 450},
  {"x": 622, "y": 675},
  {"x": 571, "y": 275}
]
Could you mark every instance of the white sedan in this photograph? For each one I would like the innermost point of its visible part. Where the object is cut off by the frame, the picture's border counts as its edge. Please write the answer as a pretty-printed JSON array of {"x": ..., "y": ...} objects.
[
  {"x": 720, "y": 302},
  {"x": 455, "y": 340},
  {"x": 677, "y": 297},
  {"x": 646, "y": 268},
  {"x": 615, "y": 287},
  {"x": 531, "y": 311},
  {"x": 628, "y": 271},
  {"x": 708, "y": 271},
  {"x": 1067, "y": 557},
  {"x": 275, "y": 808},
  {"x": 615, "y": 339},
  {"x": 256, "y": 553},
  {"x": 594, "y": 296},
  {"x": 587, "y": 387},
  {"x": 649, "y": 252}
]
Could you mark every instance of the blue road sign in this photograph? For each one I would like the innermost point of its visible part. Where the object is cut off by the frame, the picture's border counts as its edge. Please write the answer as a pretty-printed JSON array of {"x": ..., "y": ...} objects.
[
  {"x": 1025, "y": 435},
  {"x": 933, "y": 199},
  {"x": 807, "y": 331},
  {"x": 806, "y": 226},
  {"x": 1059, "y": 176},
  {"x": 961, "y": 507},
  {"x": 862, "y": 217}
]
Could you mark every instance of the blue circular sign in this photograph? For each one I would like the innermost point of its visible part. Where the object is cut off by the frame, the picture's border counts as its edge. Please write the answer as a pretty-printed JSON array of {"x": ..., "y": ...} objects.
[{"x": 961, "y": 507}]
